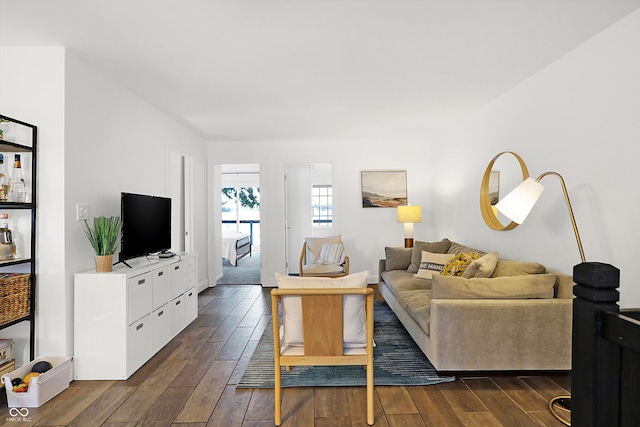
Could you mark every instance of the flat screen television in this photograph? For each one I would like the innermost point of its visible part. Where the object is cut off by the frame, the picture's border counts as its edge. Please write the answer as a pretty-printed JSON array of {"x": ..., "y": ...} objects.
[{"x": 146, "y": 225}]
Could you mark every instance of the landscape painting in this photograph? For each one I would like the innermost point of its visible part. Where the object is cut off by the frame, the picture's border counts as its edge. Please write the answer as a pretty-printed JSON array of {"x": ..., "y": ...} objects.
[{"x": 384, "y": 188}]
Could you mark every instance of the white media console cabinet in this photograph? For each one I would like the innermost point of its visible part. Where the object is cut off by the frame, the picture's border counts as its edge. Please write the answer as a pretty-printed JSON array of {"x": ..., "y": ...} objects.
[{"x": 122, "y": 318}]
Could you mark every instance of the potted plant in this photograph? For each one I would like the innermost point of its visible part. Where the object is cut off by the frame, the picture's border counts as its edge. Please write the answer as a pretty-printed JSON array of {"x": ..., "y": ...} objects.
[
  {"x": 104, "y": 237},
  {"x": 1, "y": 129}
]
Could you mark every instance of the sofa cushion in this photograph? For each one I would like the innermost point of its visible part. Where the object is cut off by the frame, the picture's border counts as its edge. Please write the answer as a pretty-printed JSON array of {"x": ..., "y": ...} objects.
[
  {"x": 440, "y": 247},
  {"x": 511, "y": 287},
  {"x": 354, "y": 323},
  {"x": 482, "y": 267},
  {"x": 399, "y": 280},
  {"x": 432, "y": 264},
  {"x": 508, "y": 267},
  {"x": 397, "y": 258},
  {"x": 458, "y": 265},
  {"x": 457, "y": 249},
  {"x": 417, "y": 303}
]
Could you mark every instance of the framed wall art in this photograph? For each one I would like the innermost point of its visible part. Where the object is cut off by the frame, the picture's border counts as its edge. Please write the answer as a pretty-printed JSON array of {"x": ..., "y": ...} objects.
[{"x": 384, "y": 188}]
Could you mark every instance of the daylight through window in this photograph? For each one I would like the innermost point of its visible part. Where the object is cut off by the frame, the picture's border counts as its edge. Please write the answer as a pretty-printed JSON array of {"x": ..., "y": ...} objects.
[{"x": 322, "y": 202}]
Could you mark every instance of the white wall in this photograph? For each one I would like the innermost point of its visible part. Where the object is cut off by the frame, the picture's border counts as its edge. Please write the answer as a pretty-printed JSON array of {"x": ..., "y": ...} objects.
[
  {"x": 96, "y": 139},
  {"x": 32, "y": 90},
  {"x": 578, "y": 117}
]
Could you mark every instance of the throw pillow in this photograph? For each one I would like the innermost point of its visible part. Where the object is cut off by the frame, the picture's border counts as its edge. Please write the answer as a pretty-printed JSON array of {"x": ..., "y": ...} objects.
[
  {"x": 314, "y": 245},
  {"x": 482, "y": 267},
  {"x": 508, "y": 267},
  {"x": 331, "y": 253},
  {"x": 354, "y": 316},
  {"x": 458, "y": 265},
  {"x": 432, "y": 263},
  {"x": 440, "y": 247},
  {"x": 397, "y": 258},
  {"x": 512, "y": 287},
  {"x": 457, "y": 249}
]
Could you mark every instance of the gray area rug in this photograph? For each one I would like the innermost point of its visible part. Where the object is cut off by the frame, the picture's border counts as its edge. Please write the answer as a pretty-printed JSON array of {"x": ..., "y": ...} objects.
[
  {"x": 247, "y": 272},
  {"x": 397, "y": 360}
]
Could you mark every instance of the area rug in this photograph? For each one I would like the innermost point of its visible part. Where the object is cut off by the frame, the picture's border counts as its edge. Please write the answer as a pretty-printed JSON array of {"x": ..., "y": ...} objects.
[
  {"x": 397, "y": 360},
  {"x": 247, "y": 272}
]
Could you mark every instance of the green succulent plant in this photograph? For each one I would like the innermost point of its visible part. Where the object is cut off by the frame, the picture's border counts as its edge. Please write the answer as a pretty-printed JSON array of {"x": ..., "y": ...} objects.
[{"x": 104, "y": 235}]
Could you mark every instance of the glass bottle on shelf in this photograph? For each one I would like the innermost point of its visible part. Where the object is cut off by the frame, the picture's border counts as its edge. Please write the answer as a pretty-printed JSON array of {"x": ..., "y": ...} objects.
[
  {"x": 16, "y": 183},
  {"x": 7, "y": 243},
  {"x": 4, "y": 180}
]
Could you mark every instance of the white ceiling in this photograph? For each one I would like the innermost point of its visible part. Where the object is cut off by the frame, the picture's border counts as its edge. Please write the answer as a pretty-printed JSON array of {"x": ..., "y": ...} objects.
[{"x": 299, "y": 69}]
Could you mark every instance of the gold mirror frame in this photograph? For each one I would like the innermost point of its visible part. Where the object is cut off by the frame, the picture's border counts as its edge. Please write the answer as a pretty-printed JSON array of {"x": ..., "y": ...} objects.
[{"x": 489, "y": 213}]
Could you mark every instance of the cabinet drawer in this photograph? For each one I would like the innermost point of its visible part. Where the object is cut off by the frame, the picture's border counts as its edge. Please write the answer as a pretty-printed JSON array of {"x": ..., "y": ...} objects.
[
  {"x": 161, "y": 327},
  {"x": 139, "y": 294},
  {"x": 189, "y": 280},
  {"x": 161, "y": 287},
  {"x": 177, "y": 279},
  {"x": 139, "y": 348},
  {"x": 189, "y": 264},
  {"x": 190, "y": 305},
  {"x": 177, "y": 315}
]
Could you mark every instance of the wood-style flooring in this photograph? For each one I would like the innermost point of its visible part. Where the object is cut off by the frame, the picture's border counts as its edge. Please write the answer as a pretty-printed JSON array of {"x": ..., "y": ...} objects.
[{"x": 191, "y": 383}]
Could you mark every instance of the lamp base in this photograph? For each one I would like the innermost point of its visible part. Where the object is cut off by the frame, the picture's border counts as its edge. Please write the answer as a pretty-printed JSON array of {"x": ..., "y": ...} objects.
[{"x": 408, "y": 243}]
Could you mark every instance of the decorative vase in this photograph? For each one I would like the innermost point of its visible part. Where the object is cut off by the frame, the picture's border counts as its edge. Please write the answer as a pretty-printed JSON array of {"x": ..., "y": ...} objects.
[{"x": 104, "y": 263}]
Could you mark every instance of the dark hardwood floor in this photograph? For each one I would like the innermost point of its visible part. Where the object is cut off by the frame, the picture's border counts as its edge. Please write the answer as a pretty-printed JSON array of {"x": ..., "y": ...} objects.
[{"x": 191, "y": 383}]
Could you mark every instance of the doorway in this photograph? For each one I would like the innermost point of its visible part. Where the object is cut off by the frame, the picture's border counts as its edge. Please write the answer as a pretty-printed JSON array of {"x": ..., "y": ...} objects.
[
  {"x": 240, "y": 224},
  {"x": 180, "y": 189},
  {"x": 308, "y": 207}
]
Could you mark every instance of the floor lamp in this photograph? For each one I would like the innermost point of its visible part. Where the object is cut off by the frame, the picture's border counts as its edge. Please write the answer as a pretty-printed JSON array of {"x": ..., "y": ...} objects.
[
  {"x": 408, "y": 215},
  {"x": 516, "y": 206}
]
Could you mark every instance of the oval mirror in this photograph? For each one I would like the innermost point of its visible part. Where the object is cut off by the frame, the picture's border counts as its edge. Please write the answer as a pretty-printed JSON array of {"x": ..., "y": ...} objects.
[{"x": 490, "y": 192}]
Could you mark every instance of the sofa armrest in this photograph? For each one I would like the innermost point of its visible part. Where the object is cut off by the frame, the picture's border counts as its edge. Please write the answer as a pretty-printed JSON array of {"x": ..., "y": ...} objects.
[{"x": 484, "y": 334}]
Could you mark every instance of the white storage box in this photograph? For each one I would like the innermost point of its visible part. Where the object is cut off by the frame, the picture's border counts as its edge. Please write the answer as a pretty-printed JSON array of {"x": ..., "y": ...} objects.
[{"x": 41, "y": 388}]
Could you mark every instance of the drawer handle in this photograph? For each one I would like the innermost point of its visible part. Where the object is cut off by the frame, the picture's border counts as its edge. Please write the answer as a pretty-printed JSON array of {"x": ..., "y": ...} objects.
[
  {"x": 177, "y": 302},
  {"x": 141, "y": 281},
  {"x": 176, "y": 267},
  {"x": 160, "y": 273},
  {"x": 139, "y": 326},
  {"x": 161, "y": 313},
  {"x": 190, "y": 293}
]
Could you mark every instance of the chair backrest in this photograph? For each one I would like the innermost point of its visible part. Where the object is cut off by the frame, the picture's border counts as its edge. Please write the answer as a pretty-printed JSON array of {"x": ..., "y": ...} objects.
[
  {"x": 322, "y": 327},
  {"x": 314, "y": 246}
]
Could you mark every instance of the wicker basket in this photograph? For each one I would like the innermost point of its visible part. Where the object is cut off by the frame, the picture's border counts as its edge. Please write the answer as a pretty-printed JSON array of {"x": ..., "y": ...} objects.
[{"x": 15, "y": 297}]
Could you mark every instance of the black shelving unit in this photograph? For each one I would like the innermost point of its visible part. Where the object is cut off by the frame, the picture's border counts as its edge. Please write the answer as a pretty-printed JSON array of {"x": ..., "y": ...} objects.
[{"x": 8, "y": 146}]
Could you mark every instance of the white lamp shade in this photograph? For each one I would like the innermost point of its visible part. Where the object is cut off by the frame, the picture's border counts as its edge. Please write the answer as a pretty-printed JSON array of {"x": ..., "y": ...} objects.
[
  {"x": 517, "y": 204},
  {"x": 410, "y": 214}
]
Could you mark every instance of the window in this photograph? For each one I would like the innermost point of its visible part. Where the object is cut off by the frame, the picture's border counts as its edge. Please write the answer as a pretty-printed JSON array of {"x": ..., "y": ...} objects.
[{"x": 322, "y": 201}]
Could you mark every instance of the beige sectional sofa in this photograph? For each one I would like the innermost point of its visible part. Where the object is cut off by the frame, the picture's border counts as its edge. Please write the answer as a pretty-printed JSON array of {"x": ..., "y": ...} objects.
[{"x": 514, "y": 317}]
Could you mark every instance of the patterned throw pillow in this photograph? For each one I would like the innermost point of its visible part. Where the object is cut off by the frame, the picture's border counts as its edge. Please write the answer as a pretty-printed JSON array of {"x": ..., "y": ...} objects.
[
  {"x": 331, "y": 253},
  {"x": 459, "y": 264},
  {"x": 432, "y": 264}
]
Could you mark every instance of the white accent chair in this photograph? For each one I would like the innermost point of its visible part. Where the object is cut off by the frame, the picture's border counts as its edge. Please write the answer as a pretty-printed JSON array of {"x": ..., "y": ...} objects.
[
  {"x": 311, "y": 251},
  {"x": 323, "y": 341}
]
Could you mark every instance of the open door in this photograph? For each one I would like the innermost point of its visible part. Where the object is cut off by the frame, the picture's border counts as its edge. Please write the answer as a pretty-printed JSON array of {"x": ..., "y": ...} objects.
[
  {"x": 180, "y": 189},
  {"x": 308, "y": 207}
]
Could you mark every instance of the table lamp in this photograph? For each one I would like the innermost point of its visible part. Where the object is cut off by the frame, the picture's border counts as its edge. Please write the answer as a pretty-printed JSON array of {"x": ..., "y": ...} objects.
[{"x": 408, "y": 215}]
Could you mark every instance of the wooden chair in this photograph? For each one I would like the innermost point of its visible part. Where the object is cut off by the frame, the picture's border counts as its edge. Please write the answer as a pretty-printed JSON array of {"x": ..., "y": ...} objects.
[
  {"x": 322, "y": 325},
  {"x": 311, "y": 251}
]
